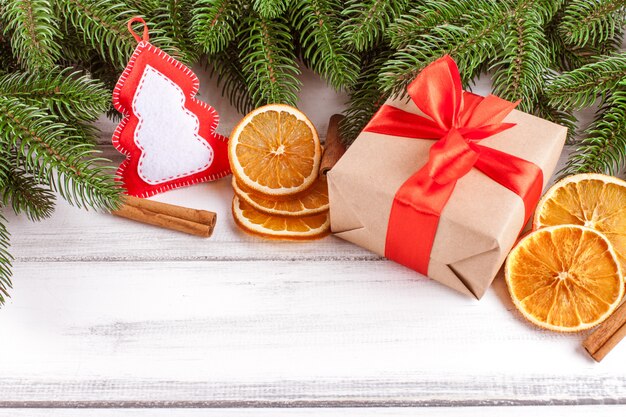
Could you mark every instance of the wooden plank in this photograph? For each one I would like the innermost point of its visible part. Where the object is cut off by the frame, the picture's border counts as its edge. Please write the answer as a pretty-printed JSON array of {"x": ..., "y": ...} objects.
[
  {"x": 569, "y": 411},
  {"x": 280, "y": 333},
  {"x": 75, "y": 235}
]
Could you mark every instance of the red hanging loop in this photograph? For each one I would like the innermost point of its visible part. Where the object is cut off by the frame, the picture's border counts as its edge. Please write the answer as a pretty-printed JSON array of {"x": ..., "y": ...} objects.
[{"x": 145, "y": 36}]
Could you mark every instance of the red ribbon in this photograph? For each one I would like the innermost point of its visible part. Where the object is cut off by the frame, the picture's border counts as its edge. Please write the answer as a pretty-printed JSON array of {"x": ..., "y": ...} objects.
[{"x": 458, "y": 121}]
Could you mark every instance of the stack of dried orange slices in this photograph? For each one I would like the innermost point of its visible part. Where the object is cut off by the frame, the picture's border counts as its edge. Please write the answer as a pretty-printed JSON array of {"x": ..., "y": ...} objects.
[
  {"x": 568, "y": 274},
  {"x": 275, "y": 154}
]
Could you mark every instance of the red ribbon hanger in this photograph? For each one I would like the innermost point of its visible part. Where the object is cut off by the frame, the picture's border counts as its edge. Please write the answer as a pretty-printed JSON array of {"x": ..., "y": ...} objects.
[{"x": 458, "y": 121}]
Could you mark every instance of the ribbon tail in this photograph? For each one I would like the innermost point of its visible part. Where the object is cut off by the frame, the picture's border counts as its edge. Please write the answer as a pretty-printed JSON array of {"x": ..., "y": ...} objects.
[{"x": 414, "y": 219}]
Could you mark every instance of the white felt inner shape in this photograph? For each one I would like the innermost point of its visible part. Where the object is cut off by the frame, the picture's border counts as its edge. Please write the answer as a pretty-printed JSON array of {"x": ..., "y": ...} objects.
[{"x": 167, "y": 133}]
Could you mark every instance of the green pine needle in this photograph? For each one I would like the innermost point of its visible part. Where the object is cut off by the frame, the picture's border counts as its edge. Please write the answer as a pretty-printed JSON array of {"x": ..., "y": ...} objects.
[
  {"x": 25, "y": 194},
  {"x": 471, "y": 46},
  {"x": 523, "y": 60},
  {"x": 594, "y": 21},
  {"x": 228, "y": 71},
  {"x": 270, "y": 9},
  {"x": 34, "y": 32},
  {"x": 103, "y": 26},
  {"x": 73, "y": 169},
  {"x": 407, "y": 28},
  {"x": 366, "y": 95},
  {"x": 214, "y": 23},
  {"x": 67, "y": 93},
  {"x": 366, "y": 20},
  {"x": 604, "y": 147},
  {"x": 318, "y": 23},
  {"x": 583, "y": 86},
  {"x": 268, "y": 58},
  {"x": 174, "y": 17}
]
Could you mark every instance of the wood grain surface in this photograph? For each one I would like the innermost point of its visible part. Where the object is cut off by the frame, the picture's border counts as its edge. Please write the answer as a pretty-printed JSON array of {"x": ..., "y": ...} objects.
[{"x": 108, "y": 313}]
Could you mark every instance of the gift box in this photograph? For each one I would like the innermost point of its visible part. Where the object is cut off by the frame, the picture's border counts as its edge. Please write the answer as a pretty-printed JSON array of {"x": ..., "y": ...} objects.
[{"x": 443, "y": 181}]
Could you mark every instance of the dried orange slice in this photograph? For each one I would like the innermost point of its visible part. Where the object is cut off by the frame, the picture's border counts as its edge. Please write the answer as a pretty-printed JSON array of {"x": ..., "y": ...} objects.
[
  {"x": 313, "y": 200},
  {"x": 281, "y": 227},
  {"x": 592, "y": 200},
  {"x": 565, "y": 278},
  {"x": 275, "y": 150}
]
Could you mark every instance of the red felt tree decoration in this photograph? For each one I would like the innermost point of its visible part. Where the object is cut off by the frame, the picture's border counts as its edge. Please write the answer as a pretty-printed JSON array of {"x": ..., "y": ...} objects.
[{"x": 167, "y": 135}]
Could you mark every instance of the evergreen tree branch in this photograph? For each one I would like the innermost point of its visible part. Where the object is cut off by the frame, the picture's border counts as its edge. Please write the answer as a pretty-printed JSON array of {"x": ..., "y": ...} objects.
[
  {"x": 366, "y": 20},
  {"x": 566, "y": 57},
  {"x": 582, "y": 87},
  {"x": 586, "y": 21},
  {"x": 173, "y": 17},
  {"x": 523, "y": 60},
  {"x": 34, "y": 32},
  {"x": 366, "y": 96},
  {"x": 103, "y": 26},
  {"x": 49, "y": 156},
  {"x": 269, "y": 61},
  {"x": 270, "y": 9},
  {"x": 470, "y": 46},
  {"x": 604, "y": 147},
  {"x": 407, "y": 28},
  {"x": 214, "y": 23},
  {"x": 317, "y": 23},
  {"x": 24, "y": 194},
  {"x": 227, "y": 69},
  {"x": 66, "y": 92}
]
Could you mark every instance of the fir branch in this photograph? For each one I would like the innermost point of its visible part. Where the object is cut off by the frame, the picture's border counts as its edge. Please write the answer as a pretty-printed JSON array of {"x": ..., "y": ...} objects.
[
  {"x": 66, "y": 93},
  {"x": 5, "y": 261},
  {"x": 366, "y": 20},
  {"x": 586, "y": 21},
  {"x": 604, "y": 147},
  {"x": 45, "y": 152},
  {"x": 582, "y": 87},
  {"x": 555, "y": 115},
  {"x": 269, "y": 61},
  {"x": 34, "y": 32},
  {"x": 523, "y": 60},
  {"x": 228, "y": 71},
  {"x": 24, "y": 194},
  {"x": 470, "y": 46},
  {"x": 407, "y": 28},
  {"x": 103, "y": 26},
  {"x": 214, "y": 22},
  {"x": 270, "y": 9},
  {"x": 566, "y": 57},
  {"x": 366, "y": 97},
  {"x": 174, "y": 17},
  {"x": 317, "y": 23}
]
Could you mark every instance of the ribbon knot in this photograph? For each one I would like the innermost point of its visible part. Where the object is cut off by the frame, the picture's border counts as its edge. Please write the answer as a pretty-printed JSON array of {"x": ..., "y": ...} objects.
[
  {"x": 451, "y": 158},
  {"x": 458, "y": 121}
]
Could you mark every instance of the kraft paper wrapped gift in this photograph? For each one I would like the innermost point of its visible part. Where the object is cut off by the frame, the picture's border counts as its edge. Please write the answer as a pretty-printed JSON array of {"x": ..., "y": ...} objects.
[{"x": 482, "y": 219}]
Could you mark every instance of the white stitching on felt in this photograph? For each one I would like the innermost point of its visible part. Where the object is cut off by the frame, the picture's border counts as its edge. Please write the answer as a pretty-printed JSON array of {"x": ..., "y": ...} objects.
[
  {"x": 199, "y": 138},
  {"x": 126, "y": 116}
]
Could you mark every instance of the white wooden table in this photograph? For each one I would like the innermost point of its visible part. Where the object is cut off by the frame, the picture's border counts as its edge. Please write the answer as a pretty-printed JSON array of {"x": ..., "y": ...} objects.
[{"x": 110, "y": 314}]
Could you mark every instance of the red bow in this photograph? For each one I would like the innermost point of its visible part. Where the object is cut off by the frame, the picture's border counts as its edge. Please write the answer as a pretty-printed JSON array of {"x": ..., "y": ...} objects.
[{"x": 458, "y": 121}]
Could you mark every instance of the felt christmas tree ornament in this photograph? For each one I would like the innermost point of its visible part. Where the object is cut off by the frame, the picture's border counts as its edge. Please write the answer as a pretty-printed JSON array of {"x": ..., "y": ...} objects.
[{"x": 167, "y": 135}]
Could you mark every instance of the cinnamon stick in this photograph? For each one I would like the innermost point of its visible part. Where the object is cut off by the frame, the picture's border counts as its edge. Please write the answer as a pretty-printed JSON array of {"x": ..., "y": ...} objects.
[
  {"x": 333, "y": 148},
  {"x": 607, "y": 335},
  {"x": 183, "y": 219},
  {"x": 186, "y": 213}
]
